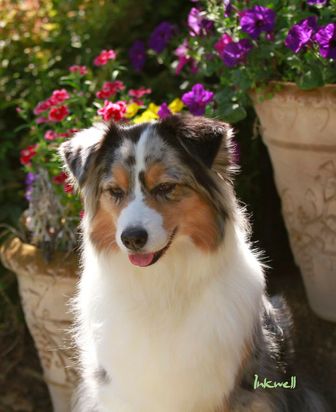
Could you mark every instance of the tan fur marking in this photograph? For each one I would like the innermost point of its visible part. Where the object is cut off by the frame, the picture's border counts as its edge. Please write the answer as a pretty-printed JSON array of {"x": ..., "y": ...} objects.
[
  {"x": 120, "y": 177},
  {"x": 192, "y": 215},
  {"x": 154, "y": 175},
  {"x": 103, "y": 226}
]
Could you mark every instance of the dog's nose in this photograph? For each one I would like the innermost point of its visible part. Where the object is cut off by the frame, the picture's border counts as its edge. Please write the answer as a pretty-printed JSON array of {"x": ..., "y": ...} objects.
[{"x": 134, "y": 238}]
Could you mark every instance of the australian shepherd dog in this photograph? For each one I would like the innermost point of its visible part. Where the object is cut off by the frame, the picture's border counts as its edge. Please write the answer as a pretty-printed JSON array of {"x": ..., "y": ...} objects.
[{"x": 171, "y": 311}]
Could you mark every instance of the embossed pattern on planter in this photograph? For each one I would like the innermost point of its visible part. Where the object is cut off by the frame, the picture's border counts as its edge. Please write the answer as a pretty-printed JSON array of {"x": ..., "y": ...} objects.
[
  {"x": 299, "y": 129},
  {"x": 45, "y": 290}
]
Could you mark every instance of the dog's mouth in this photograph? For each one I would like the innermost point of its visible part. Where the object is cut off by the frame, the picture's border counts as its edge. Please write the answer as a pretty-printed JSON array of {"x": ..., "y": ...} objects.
[{"x": 148, "y": 259}]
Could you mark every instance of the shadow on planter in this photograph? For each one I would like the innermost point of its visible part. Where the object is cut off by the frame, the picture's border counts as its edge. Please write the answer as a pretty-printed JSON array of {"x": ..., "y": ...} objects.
[{"x": 45, "y": 289}]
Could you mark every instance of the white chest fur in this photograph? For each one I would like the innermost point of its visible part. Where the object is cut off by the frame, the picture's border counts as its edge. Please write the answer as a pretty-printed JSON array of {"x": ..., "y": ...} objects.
[{"x": 170, "y": 336}]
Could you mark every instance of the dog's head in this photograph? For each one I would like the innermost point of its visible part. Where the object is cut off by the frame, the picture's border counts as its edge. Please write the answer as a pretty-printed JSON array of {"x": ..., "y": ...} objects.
[{"x": 146, "y": 185}]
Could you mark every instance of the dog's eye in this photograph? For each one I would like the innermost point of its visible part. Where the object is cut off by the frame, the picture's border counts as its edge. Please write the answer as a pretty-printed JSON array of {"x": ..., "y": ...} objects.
[
  {"x": 116, "y": 193},
  {"x": 163, "y": 189}
]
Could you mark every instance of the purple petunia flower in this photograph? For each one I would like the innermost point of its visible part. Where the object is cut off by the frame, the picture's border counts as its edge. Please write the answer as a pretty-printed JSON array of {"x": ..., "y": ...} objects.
[
  {"x": 164, "y": 111},
  {"x": 257, "y": 20},
  {"x": 227, "y": 7},
  {"x": 29, "y": 181},
  {"x": 301, "y": 34},
  {"x": 222, "y": 42},
  {"x": 197, "y": 99},
  {"x": 236, "y": 52},
  {"x": 198, "y": 24},
  {"x": 137, "y": 55},
  {"x": 326, "y": 38},
  {"x": 161, "y": 36},
  {"x": 316, "y": 2}
]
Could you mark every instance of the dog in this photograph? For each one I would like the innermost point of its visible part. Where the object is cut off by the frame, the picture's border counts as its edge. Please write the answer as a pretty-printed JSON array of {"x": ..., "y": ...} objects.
[{"x": 171, "y": 312}]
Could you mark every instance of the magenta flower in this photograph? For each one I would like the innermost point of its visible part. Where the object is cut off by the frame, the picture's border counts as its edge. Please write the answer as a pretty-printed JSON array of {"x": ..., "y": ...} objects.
[
  {"x": 104, "y": 57},
  {"x": 256, "y": 20},
  {"x": 198, "y": 24},
  {"x": 137, "y": 55},
  {"x": 236, "y": 52},
  {"x": 182, "y": 52},
  {"x": 50, "y": 135},
  {"x": 58, "y": 96},
  {"x": 164, "y": 111},
  {"x": 113, "y": 111},
  {"x": 161, "y": 36},
  {"x": 326, "y": 38},
  {"x": 301, "y": 34},
  {"x": 81, "y": 70},
  {"x": 222, "y": 42},
  {"x": 42, "y": 106},
  {"x": 197, "y": 99}
]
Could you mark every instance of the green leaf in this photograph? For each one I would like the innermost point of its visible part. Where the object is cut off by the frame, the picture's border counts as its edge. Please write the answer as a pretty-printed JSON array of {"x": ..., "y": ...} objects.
[
  {"x": 231, "y": 112},
  {"x": 311, "y": 79}
]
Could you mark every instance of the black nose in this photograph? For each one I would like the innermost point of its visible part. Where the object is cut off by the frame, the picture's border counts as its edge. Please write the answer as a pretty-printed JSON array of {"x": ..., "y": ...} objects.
[{"x": 134, "y": 238}]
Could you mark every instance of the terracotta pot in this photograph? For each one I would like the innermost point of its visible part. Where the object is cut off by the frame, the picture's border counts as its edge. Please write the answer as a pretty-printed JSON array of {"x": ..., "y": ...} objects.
[
  {"x": 45, "y": 290},
  {"x": 299, "y": 130}
]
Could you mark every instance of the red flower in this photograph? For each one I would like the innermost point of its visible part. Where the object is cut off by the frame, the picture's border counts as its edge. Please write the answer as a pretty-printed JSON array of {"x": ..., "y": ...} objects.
[
  {"x": 57, "y": 114},
  {"x": 113, "y": 111},
  {"x": 104, "y": 57},
  {"x": 60, "y": 178},
  {"x": 138, "y": 93},
  {"x": 82, "y": 70},
  {"x": 81, "y": 214},
  {"x": 58, "y": 96},
  {"x": 68, "y": 188},
  {"x": 50, "y": 135},
  {"x": 27, "y": 154},
  {"x": 110, "y": 89}
]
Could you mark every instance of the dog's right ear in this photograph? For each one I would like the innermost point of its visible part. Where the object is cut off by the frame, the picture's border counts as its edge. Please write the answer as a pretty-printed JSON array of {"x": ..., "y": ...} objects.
[{"x": 79, "y": 153}]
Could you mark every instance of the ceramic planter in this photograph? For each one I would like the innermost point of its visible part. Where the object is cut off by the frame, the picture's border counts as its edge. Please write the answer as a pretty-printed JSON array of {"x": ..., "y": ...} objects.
[
  {"x": 45, "y": 290},
  {"x": 299, "y": 130}
]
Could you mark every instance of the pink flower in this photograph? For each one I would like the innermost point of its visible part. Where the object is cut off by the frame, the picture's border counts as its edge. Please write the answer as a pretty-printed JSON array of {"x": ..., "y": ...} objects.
[
  {"x": 110, "y": 89},
  {"x": 57, "y": 114},
  {"x": 58, "y": 96},
  {"x": 182, "y": 52},
  {"x": 104, "y": 57},
  {"x": 223, "y": 41},
  {"x": 27, "y": 154},
  {"x": 82, "y": 70},
  {"x": 138, "y": 93},
  {"x": 41, "y": 119},
  {"x": 113, "y": 111},
  {"x": 42, "y": 106},
  {"x": 50, "y": 135}
]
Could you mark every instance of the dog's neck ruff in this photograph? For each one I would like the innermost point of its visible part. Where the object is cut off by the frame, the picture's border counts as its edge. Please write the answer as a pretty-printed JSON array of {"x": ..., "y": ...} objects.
[{"x": 161, "y": 332}]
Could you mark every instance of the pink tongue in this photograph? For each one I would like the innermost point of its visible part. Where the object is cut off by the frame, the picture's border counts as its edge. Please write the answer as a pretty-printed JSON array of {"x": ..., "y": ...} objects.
[{"x": 141, "y": 259}]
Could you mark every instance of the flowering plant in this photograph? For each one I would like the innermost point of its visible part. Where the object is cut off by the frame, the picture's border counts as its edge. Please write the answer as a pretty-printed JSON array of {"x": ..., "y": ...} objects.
[
  {"x": 54, "y": 207},
  {"x": 238, "y": 46}
]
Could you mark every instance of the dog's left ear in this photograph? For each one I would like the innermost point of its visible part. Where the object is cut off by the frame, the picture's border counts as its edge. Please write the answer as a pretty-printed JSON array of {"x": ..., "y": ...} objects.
[
  {"x": 78, "y": 153},
  {"x": 201, "y": 137}
]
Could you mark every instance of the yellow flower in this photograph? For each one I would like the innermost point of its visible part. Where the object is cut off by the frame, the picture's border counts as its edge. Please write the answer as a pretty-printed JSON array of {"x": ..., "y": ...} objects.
[
  {"x": 176, "y": 105},
  {"x": 132, "y": 110},
  {"x": 149, "y": 114}
]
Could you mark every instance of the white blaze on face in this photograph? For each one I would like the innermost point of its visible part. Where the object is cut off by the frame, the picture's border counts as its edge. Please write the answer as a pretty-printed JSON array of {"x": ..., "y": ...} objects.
[{"x": 137, "y": 214}]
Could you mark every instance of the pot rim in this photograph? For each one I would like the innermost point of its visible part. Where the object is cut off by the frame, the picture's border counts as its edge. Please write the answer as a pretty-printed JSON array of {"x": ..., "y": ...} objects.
[{"x": 26, "y": 259}]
